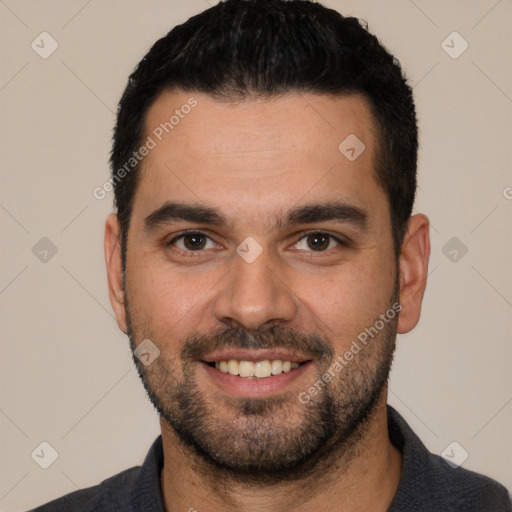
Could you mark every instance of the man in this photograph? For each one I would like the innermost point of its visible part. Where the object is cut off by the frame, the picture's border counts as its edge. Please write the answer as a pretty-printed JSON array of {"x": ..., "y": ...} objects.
[{"x": 262, "y": 259}]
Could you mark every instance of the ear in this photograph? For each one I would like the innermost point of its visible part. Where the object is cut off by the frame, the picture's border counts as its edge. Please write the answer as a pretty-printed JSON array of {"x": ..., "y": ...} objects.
[
  {"x": 115, "y": 269},
  {"x": 414, "y": 256}
]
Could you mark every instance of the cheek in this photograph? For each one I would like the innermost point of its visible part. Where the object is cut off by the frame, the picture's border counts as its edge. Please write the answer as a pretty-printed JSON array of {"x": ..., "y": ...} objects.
[
  {"x": 167, "y": 300},
  {"x": 349, "y": 301}
]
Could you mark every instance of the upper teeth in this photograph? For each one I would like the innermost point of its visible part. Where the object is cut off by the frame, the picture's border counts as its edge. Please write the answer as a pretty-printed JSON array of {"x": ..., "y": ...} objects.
[{"x": 258, "y": 369}]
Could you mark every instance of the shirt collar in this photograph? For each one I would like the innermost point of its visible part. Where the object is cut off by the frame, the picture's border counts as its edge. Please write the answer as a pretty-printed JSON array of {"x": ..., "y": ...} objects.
[{"x": 147, "y": 493}]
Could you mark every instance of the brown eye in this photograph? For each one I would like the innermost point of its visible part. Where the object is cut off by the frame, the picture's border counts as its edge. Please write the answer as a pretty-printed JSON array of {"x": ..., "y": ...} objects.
[
  {"x": 317, "y": 242},
  {"x": 192, "y": 242}
]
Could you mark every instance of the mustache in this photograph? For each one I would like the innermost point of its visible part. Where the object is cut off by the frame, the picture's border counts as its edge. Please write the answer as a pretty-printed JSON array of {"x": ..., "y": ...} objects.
[{"x": 197, "y": 346}]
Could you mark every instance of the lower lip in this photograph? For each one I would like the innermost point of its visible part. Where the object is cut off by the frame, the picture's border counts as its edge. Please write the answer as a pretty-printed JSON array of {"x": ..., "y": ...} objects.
[{"x": 254, "y": 388}]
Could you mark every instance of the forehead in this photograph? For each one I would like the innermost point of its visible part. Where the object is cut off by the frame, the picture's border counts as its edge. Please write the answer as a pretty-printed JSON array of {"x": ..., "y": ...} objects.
[
  {"x": 290, "y": 122},
  {"x": 259, "y": 152}
]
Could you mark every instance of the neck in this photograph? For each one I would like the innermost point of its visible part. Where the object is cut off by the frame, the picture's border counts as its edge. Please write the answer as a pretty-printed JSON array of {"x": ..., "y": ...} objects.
[{"x": 362, "y": 476}]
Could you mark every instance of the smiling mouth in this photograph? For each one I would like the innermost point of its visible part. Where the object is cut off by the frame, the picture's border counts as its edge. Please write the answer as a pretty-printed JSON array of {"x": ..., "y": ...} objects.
[{"x": 255, "y": 369}]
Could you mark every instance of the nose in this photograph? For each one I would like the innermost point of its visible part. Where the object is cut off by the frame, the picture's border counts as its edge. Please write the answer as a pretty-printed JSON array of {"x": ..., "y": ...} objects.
[{"x": 255, "y": 294}]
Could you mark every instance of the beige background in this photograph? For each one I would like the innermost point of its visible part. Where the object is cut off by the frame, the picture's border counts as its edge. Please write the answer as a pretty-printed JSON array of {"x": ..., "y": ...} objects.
[{"x": 66, "y": 372}]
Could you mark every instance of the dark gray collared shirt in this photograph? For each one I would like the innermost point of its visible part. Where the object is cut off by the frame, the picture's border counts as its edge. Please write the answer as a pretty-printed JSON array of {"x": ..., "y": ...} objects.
[{"x": 427, "y": 484}]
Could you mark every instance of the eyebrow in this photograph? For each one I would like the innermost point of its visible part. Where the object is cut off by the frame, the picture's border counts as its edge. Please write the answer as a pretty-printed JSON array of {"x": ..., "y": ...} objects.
[{"x": 308, "y": 214}]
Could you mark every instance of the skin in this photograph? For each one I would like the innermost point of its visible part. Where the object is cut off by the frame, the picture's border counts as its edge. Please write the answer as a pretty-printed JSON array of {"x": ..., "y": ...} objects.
[{"x": 254, "y": 160}]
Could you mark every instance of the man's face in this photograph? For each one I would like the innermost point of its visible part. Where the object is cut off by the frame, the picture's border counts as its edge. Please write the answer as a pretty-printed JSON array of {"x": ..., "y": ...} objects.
[{"x": 263, "y": 280}]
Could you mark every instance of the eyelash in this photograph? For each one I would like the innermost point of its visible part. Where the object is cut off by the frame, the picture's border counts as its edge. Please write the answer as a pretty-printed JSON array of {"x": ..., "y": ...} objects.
[{"x": 304, "y": 235}]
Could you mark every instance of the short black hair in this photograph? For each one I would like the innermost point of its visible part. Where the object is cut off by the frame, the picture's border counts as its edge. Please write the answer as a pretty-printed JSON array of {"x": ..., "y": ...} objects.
[{"x": 245, "y": 48}]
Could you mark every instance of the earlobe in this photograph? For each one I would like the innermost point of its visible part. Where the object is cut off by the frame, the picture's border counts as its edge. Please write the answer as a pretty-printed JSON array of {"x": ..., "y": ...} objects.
[
  {"x": 414, "y": 257},
  {"x": 114, "y": 269}
]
